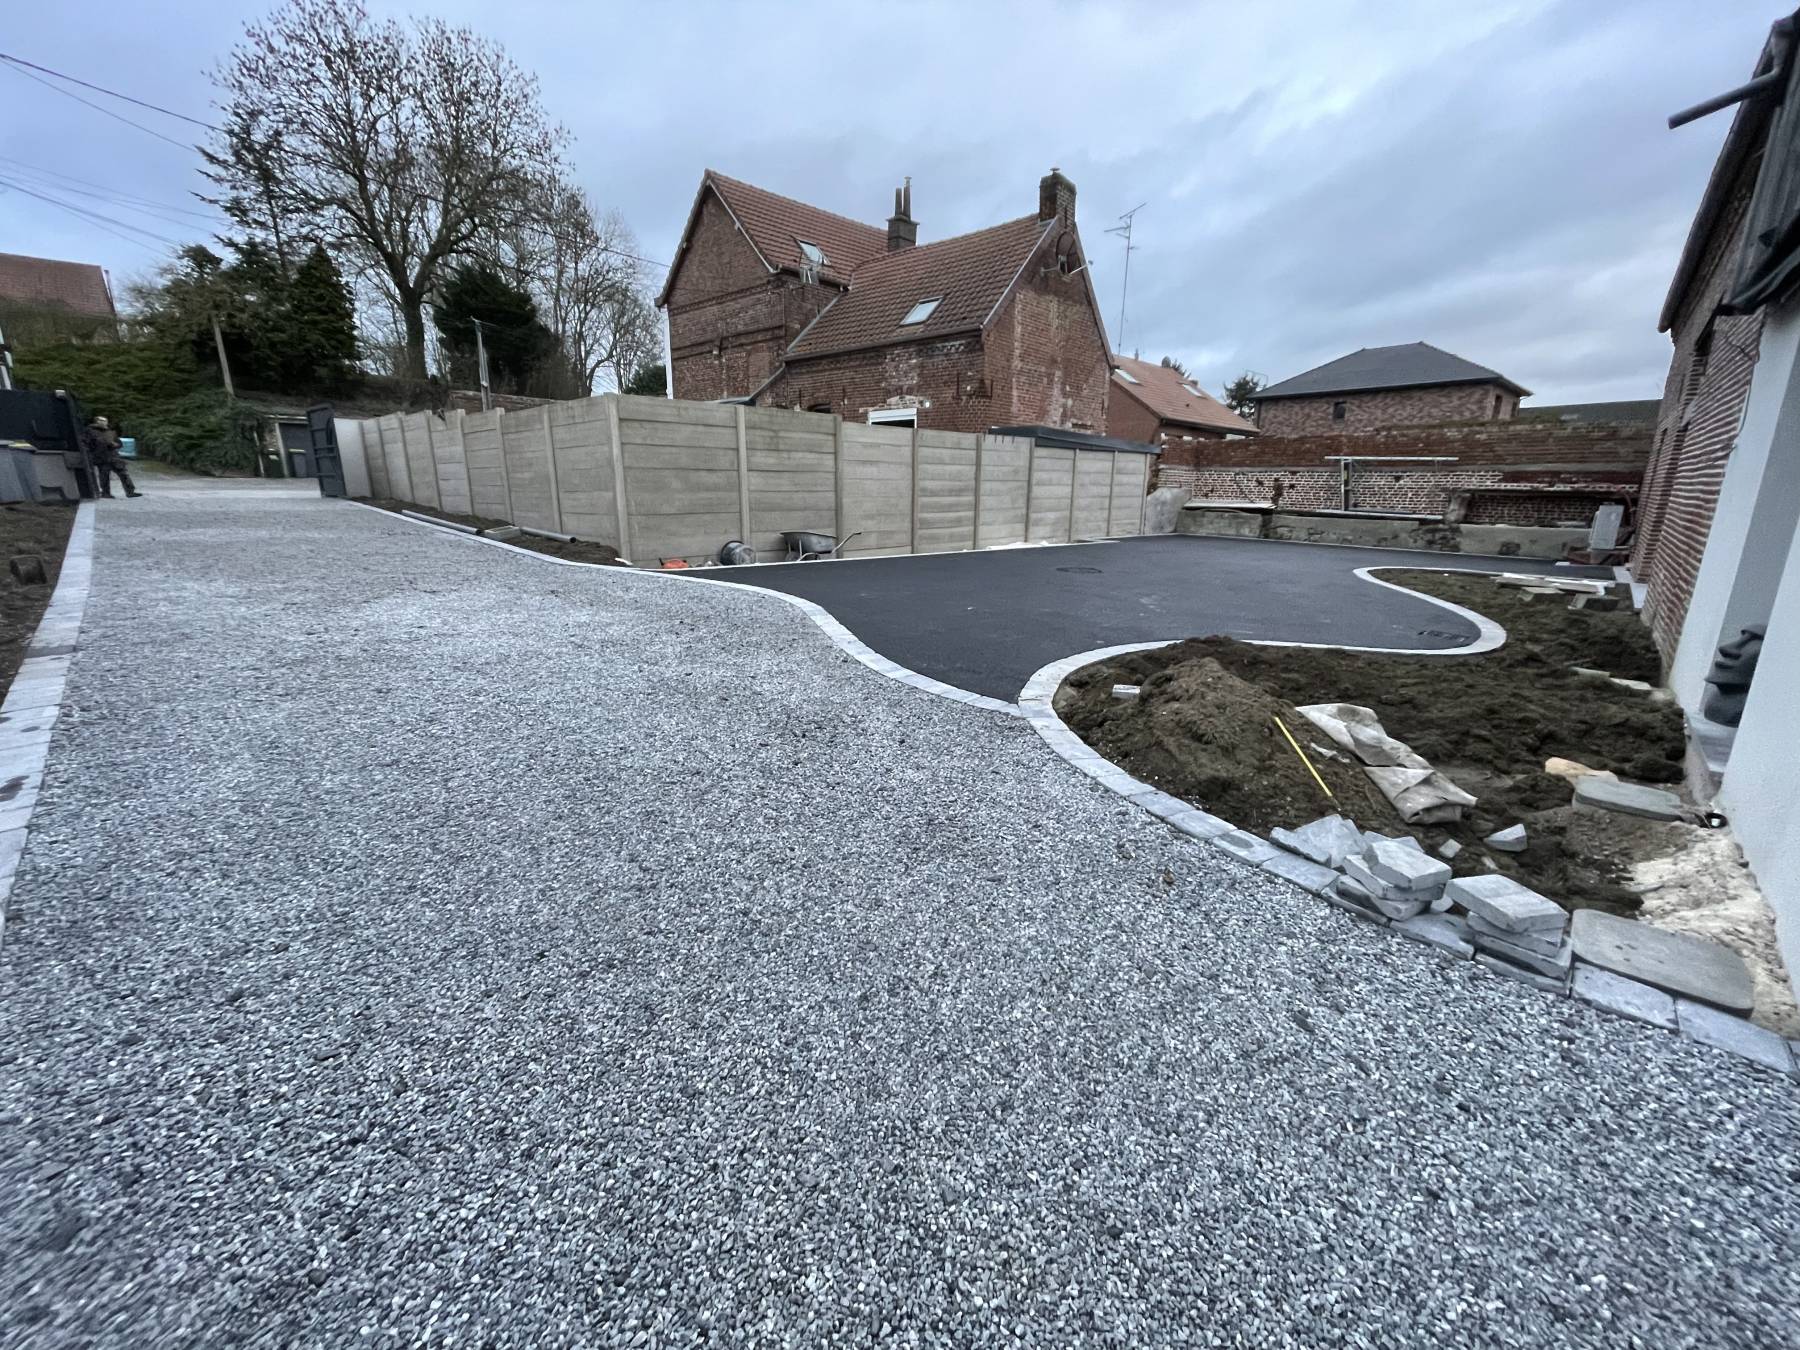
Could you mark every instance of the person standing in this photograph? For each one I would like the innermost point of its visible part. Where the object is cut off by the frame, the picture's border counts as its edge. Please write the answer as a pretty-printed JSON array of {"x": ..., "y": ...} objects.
[{"x": 103, "y": 449}]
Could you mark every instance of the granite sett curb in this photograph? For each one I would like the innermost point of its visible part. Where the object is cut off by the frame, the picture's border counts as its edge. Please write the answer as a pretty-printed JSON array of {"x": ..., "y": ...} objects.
[{"x": 34, "y": 700}]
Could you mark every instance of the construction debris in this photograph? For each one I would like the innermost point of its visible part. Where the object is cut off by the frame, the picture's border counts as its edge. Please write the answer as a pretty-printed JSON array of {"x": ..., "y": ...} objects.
[
  {"x": 1328, "y": 840},
  {"x": 1633, "y": 799},
  {"x": 1421, "y": 794},
  {"x": 1509, "y": 840},
  {"x": 1126, "y": 693}
]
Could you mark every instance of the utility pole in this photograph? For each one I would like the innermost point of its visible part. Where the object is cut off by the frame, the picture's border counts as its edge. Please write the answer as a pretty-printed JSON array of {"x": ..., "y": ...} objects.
[
  {"x": 1124, "y": 229},
  {"x": 481, "y": 366},
  {"x": 224, "y": 364}
]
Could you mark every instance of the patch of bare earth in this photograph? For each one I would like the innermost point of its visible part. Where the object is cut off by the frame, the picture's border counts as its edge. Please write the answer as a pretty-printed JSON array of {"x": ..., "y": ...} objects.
[
  {"x": 571, "y": 549},
  {"x": 28, "y": 530}
]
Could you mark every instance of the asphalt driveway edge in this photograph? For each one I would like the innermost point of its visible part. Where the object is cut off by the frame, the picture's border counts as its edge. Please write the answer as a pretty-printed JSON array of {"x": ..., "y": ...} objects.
[{"x": 34, "y": 700}]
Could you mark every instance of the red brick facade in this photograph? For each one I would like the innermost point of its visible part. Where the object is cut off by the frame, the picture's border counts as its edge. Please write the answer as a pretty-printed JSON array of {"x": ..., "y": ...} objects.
[
  {"x": 1521, "y": 472},
  {"x": 1703, "y": 404},
  {"x": 730, "y": 318},
  {"x": 1370, "y": 411}
]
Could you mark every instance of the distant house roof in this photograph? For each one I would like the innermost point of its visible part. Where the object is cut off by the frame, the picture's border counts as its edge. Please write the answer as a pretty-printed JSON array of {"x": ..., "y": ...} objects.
[
  {"x": 1173, "y": 397},
  {"x": 776, "y": 225},
  {"x": 1624, "y": 410},
  {"x": 1409, "y": 365},
  {"x": 967, "y": 275},
  {"x": 49, "y": 283}
]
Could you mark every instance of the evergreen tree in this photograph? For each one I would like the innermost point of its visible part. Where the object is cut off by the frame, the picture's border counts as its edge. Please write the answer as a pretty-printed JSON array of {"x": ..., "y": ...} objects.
[
  {"x": 319, "y": 322},
  {"x": 519, "y": 346},
  {"x": 648, "y": 379}
]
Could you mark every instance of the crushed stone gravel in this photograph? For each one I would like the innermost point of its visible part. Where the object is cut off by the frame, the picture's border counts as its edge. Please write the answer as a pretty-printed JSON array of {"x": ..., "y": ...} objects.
[{"x": 422, "y": 943}]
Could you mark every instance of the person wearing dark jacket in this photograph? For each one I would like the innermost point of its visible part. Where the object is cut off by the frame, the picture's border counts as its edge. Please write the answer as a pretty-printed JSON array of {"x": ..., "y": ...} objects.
[{"x": 103, "y": 450}]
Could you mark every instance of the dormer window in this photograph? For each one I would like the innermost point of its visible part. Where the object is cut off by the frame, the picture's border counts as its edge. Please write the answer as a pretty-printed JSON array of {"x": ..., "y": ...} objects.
[
  {"x": 921, "y": 311},
  {"x": 811, "y": 252}
]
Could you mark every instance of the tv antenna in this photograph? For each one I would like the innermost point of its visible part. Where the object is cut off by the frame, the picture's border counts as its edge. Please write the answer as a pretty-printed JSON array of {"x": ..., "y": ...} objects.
[{"x": 1123, "y": 228}]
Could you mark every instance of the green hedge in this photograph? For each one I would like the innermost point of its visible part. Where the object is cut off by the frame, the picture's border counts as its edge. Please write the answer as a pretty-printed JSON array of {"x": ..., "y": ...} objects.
[{"x": 154, "y": 391}]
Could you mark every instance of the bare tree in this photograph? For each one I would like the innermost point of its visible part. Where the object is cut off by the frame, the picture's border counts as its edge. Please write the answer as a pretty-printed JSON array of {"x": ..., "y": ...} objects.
[{"x": 396, "y": 147}]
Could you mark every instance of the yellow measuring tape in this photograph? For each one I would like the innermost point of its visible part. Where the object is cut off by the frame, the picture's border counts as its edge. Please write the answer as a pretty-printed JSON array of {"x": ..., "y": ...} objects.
[{"x": 1303, "y": 759}]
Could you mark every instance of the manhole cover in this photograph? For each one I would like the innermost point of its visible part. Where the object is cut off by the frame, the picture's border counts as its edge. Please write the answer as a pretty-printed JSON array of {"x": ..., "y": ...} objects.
[{"x": 1094, "y": 570}]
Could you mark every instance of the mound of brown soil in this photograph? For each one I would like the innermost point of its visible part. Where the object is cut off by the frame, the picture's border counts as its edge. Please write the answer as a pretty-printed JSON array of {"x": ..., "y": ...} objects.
[
  {"x": 574, "y": 550},
  {"x": 1200, "y": 732},
  {"x": 30, "y": 530}
]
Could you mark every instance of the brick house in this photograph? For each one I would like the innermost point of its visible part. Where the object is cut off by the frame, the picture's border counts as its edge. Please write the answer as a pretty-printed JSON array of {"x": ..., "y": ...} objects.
[
  {"x": 779, "y": 303},
  {"x": 1406, "y": 385},
  {"x": 1158, "y": 405}
]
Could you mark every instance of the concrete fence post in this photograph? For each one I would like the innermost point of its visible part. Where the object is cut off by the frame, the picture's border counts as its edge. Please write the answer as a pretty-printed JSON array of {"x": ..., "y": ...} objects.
[
  {"x": 462, "y": 448},
  {"x": 1030, "y": 484},
  {"x": 743, "y": 449},
  {"x": 837, "y": 480},
  {"x": 913, "y": 547},
  {"x": 555, "y": 487},
  {"x": 980, "y": 468},
  {"x": 412, "y": 493},
  {"x": 1112, "y": 487},
  {"x": 618, "y": 449},
  {"x": 512, "y": 516},
  {"x": 1143, "y": 484},
  {"x": 1074, "y": 484}
]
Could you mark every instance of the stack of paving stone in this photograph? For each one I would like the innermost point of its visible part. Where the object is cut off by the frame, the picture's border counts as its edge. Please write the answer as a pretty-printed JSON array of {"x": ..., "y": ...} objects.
[
  {"x": 1394, "y": 877},
  {"x": 1514, "y": 929}
]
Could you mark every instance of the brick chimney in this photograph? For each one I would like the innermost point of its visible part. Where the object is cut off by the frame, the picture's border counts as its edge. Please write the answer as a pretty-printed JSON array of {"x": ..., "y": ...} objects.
[
  {"x": 1056, "y": 197},
  {"x": 903, "y": 230}
]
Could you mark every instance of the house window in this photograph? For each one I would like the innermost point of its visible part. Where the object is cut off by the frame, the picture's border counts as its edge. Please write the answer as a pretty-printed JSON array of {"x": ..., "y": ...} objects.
[
  {"x": 1497, "y": 402},
  {"x": 894, "y": 417},
  {"x": 1337, "y": 411},
  {"x": 1126, "y": 375},
  {"x": 811, "y": 252},
  {"x": 921, "y": 311},
  {"x": 818, "y": 407}
]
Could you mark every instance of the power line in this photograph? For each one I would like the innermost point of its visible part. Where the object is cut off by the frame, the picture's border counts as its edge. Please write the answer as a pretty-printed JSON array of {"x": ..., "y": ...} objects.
[
  {"x": 111, "y": 93},
  {"x": 56, "y": 178},
  {"x": 94, "y": 218},
  {"x": 70, "y": 93}
]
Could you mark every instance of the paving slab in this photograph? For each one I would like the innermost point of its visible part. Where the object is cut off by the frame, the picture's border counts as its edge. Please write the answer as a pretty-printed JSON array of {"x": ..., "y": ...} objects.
[
  {"x": 1243, "y": 844},
  {"x": 1555, "y": 963},
  {"x": 1631, "y": 799},
  {"x": 1315, "y": 877},
  {"x": 1501, "y": 966},
  {"x": 1200, "y": 824},
  {"x": 1628, "y": 998},
  {"x": 1709, "y": 1026},
  {"x": 1506, "y": 904},
  {"x": 1406, "y": 866},
  {"x": 1542, "y": 941},
  {"x": 1444, "y": 931},
  {"x": 1680, "y": 963},
  {"x": 1328, "y": 840}
]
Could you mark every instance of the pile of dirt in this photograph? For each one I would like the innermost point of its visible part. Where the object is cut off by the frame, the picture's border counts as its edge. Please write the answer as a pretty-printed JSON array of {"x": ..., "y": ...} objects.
[
  {"x": 1488, "y": 722},
  {"x": 571, "y": 550},
  {"x": 1200, "y": 732},
  {"x": 31, "y": 530}
]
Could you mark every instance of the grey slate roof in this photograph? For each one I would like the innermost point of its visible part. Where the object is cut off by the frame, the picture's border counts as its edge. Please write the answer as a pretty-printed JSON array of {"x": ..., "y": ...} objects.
[
  {"x": 1622, "y": 410},
  {"x": 1406, "y": 366}
]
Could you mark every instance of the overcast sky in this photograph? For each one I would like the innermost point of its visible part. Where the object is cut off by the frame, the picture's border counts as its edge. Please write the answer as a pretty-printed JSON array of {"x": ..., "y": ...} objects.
[{"x": 1494, "y": 178}]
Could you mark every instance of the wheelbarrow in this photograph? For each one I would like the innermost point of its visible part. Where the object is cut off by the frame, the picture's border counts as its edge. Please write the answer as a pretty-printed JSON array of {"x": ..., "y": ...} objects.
[{"x": 807, "y": 546}]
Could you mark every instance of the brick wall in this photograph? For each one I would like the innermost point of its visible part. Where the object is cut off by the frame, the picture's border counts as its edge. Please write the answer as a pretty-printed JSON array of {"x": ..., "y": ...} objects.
[
  {"x": 1129, "y": 419},
  {"x": 1511, "y": 445},
  {"x": 1047, "y": 357},
  {"x": 730, "y": 318},
  {"x": 1386, "y": 408},
  {"x": 944, "y": 380},
  {"x": 1702, "y": 407}
]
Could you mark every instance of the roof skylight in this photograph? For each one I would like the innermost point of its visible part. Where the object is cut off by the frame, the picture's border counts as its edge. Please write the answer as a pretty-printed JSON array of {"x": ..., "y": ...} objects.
[
  {"x": 921, "y": 311},
  {"x": 811, "y": 252}
]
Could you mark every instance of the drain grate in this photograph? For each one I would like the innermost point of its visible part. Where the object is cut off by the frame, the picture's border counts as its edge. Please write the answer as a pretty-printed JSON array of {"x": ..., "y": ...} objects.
[{"x": 1095, "y": 571}]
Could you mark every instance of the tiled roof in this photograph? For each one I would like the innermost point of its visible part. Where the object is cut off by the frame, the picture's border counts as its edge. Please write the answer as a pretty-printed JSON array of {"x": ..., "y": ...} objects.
[
  {"x": 47, "y": 283},
  {"x": 1406, "y": 366},
  {"x": 967, "y": 275},
  {"x": 775, "y": 224},
  {"x": 1173, "y": 397}
]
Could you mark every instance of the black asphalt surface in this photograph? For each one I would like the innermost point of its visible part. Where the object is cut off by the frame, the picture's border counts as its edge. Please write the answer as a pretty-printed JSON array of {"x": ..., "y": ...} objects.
[{"x": 985, "y": 622}]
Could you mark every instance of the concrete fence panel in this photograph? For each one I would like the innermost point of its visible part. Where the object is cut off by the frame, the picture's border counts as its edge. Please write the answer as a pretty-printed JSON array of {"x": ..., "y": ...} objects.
[
  {"x": 1052, "y": 480},
  {"x": 487, "y": 467},
  {"x": 452, "y": 465},
  {"x": 352, "y": 458},
  {"x": 946, "y": 491},
  {"x": 791, "y": 462},
  {"x": 581, "y": 433},
  {"x": 878, "y": 489},
  {"x": 1005, "y": 462},
  {"x": 681, "y": 477},
  {"x": 415, "y": 442},
  {"x": 1093, "y": 492},
  {"x": 1130, "y": 482},
  {"x": 530, "y": 472},
  {"x": 393, "y": 457}
]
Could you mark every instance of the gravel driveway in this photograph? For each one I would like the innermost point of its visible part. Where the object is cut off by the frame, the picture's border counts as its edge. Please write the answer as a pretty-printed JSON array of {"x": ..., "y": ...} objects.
[{"x": 423, "y": 943}]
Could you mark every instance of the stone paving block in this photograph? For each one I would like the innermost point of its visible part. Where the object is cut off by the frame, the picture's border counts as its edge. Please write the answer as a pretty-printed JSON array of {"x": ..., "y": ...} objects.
[
  {"x": 1709, "y": 1026},
  {"x": 1443, "y": 931},
  {"x": 1509, "y": 840},
  {"x": 1160, "y": 804},
  {"x": 1692, "y": 967},
  {"x": 1200, "y": 824},
  {"x": 1626, "y": 997},
  {"x": 1328, "y": 840},
  {"x": 1542, "y": 941},
  {"x": 1632, "y": 799},
  {"x": 1315, "y": 877},
  {"x": 1555, "y": 964},
  {"x": 1352, "y": 905},
  {"x": 1506, "y": 904},
  {"x": 12, "y": 846},
  {"x": 1243, "y": 844},
  {"x": 1449, "y": 849},
  {"x": 1410, "y": 869},
  {"x": 1397, "y": 910},
  {"x": 1523, "y": 976},
  {"x": 1595, "y": 602}
]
